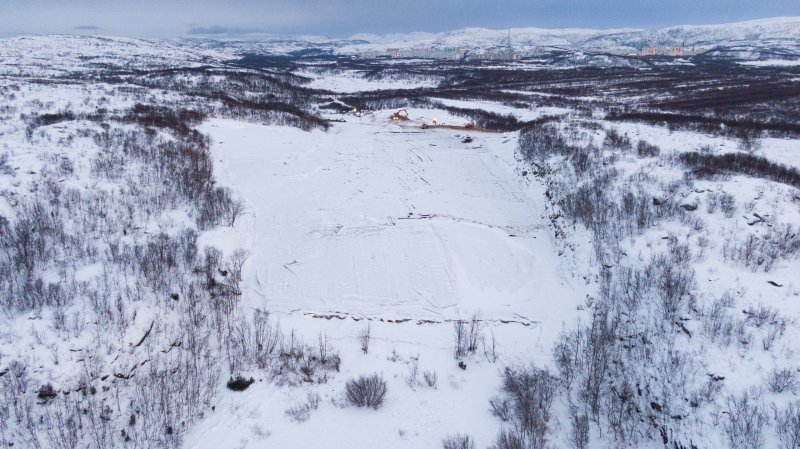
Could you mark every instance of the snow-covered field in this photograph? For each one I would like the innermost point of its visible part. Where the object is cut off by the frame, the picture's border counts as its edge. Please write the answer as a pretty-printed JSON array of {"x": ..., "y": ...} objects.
[
  {"x": 373, "y": 222},
  {"x": 377, "y": 219}
]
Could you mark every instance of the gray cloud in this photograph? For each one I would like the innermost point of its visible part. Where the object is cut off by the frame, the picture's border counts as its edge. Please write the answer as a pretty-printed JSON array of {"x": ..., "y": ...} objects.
[
  {"x": 214, "y": 29},
  {"x": 87, "y": 28}
]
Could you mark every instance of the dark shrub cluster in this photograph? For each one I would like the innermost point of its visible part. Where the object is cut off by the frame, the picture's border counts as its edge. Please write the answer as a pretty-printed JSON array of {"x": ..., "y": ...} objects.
[
  {"x": 178, "y": 120},
  {"x": 709, "y": 124},
  {"x": 616, "y": 141},
  {"x": 366, "y": 391},
  {"x": 707, "y": 165},
  {"x": 645, "y": 149},
  {"x": 527, "y": 396},
  {"x": 239, "y": 383}
]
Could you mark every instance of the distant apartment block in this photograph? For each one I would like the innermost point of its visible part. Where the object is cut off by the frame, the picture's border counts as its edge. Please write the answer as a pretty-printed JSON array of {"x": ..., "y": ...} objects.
[
  {"x": 675, "y": 51},
  {"x": 661, "y": 51}
]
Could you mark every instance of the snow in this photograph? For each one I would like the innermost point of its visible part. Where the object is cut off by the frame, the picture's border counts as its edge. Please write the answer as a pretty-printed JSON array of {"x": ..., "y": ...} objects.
[
  {"x": 50, "y": 55},
  {"x": 384, "y": 220},
  {"x": 338, "y": 235},
  {"x": 618, "y": 40},
  {"x": 411, "y": 417}
]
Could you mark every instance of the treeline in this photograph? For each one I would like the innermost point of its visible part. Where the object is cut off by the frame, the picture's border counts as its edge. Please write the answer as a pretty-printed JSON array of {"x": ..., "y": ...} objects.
[
  {"x": 708, "y": 124},
  {"x": 709, "y": 165},
  {"x": 273, "y": 96}
]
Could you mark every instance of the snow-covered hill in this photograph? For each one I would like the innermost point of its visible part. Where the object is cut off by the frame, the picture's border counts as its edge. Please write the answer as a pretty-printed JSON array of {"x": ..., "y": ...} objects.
[
  {"x": 54, "y": 55},
  {"x": 780, "y": 29},
  {"x": 765, "y": 39}
]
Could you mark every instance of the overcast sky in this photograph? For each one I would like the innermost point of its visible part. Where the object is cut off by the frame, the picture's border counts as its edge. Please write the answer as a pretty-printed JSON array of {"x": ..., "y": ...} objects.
[{"x": 341, "y": 18}]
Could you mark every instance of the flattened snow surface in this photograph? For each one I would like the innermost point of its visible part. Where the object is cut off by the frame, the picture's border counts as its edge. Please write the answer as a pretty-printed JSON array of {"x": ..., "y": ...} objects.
[{"x": 376, "y": 219}]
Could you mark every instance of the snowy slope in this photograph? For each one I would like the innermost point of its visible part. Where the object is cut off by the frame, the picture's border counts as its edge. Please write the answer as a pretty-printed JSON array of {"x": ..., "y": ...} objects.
[
  {"x": 781, "y": 31},
  {"x": 377, "y": 223},
  {"x": 780, "y": 28},
  {"x": 384, "y": 220},
  {"x": 60, "y": 54}
]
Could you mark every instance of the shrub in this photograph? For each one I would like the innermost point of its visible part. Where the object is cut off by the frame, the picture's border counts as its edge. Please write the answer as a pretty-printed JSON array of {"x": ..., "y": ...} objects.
[
  {"x": 366, "y": 391},
  {"x": 47, "y": 392},
  {"x": 458, "y": 442},
  {"x": 616, "y": 141},
  {"x": 466, "y": 337},
  {"x": 781, "y": 379},
  {"x": 745, "y": 424},
  {"x": 645, "y": 149},
  {"x": 363, "y": 338},
  {"x": 718, "y": 323},
  {"x": 528, "y": 395},
  {"x": 579, "y": 430},
  {"x": 301, "y": 412},
  {"x": 298, "y": 413},
  {"x": 460, "y": 337},
  {"x": 501, "y": 408},
  {"x": 787, "y": 425},
  {"x": 240, "y": 383},
  {"x": 5, "y": 168},
  {"x": 431, "y": 378},
  {"x": 510, "y": 439},
  {"x": 727, "y": 204}
]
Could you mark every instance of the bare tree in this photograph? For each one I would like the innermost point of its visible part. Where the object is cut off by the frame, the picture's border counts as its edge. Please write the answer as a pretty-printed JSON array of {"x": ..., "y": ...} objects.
[
  {"x": 364, "y": 338},
  {"x": 745, "y": 422}
]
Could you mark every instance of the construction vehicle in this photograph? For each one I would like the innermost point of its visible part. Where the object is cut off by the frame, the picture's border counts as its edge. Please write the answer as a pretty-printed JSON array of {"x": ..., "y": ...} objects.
[{"x": 400, "y": 115}]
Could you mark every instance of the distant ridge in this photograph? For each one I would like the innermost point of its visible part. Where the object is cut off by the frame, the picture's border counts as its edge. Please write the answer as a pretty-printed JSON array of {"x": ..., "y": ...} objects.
[{"x": 778, "y": 28}]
